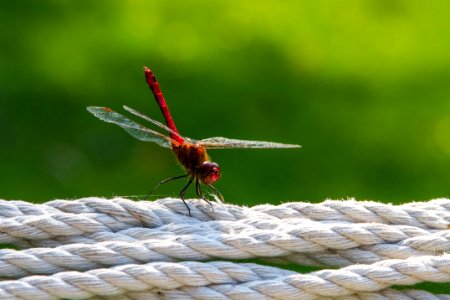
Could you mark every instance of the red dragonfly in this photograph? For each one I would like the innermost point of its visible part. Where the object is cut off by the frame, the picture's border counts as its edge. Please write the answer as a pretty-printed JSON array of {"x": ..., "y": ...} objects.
[{"x": 190, "y": 153}]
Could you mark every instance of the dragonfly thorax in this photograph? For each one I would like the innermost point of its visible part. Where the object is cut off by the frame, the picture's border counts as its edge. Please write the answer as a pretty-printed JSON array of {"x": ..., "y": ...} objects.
[{"x": 196, "y": 162}]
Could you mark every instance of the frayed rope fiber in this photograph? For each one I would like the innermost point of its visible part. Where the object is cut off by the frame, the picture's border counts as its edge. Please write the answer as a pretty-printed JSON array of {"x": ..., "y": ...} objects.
[{"x": 96, "y": 248}]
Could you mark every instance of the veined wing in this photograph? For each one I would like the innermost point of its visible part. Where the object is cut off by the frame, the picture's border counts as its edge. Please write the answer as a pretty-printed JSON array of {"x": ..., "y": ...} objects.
[
  {"x": 133, "y": 128},
  {"x": 225, "y": 143},
  {"x": 159, "y": 124}
]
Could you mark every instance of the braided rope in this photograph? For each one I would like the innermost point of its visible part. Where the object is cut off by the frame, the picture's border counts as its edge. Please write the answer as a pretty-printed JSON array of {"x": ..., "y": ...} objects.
[{"x": 123, "y": 249}]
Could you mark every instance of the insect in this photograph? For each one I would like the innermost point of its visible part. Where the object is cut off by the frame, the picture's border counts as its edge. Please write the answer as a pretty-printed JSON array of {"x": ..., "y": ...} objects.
[{"x": 190, "y": 153}]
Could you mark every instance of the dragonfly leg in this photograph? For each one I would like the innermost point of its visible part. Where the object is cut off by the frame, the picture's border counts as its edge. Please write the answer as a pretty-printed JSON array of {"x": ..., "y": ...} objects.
[
  {"x": 183, "y": 192},
  {"x": 198, "y": 189},
  {"x": 217, "y": 192},
  {"x": 163, "y": 182}
]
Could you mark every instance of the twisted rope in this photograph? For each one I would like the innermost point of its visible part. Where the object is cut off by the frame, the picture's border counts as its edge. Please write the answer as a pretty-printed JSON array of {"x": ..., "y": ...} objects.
[
  {"x": 258, "y": 282},
  {"x": 210, "y": 293},
  {"x": 122, "y": 249},
  {"x": 146, "y": 245},
  {"x": 434, "y": 214}
]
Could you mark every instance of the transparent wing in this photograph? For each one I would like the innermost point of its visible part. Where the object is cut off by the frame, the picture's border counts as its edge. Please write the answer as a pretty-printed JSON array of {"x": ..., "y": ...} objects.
[
  {"x": 159, "y": 124},
  {"x": 134, "y": 129},
  {"x": 225, "y": 143}
]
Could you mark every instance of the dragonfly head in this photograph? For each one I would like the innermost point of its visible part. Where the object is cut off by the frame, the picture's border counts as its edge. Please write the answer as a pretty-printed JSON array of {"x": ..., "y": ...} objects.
[{"x": 209, "y": 172}]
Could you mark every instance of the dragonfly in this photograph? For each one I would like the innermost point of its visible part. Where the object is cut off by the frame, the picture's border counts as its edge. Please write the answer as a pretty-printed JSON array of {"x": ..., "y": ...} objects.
[{"x": 191, "y": 154}]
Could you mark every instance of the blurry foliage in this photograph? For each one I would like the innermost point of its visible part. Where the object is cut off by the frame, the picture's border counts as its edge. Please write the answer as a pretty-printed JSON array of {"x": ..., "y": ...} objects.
[{"x": 363, "y": 86}]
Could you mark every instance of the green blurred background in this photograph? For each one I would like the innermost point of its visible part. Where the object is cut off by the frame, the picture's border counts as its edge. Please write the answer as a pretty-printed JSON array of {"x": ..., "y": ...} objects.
[{"x": 363, "y": 86}]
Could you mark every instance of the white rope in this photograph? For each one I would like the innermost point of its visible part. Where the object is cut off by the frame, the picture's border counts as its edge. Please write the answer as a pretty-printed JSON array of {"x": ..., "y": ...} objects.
[
  {"x": 210, "y": 293},
  {"x": 434, "y": 214},
  {"x": 147, "y": 245},
  {"x": 88, "y": 246},
  {"x": 254, "y": 280}
]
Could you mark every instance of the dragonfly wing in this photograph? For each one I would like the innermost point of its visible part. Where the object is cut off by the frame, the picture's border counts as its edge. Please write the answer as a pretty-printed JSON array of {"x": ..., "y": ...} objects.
[
  {"x": 225, "y": 143},
  {"x": 159, "y": 124},
  {"x": 138, "y": 131}
]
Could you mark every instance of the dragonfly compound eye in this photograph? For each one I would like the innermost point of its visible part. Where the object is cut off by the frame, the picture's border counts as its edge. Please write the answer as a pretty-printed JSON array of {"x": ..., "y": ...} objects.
[{"x": 209, "y": 172}]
